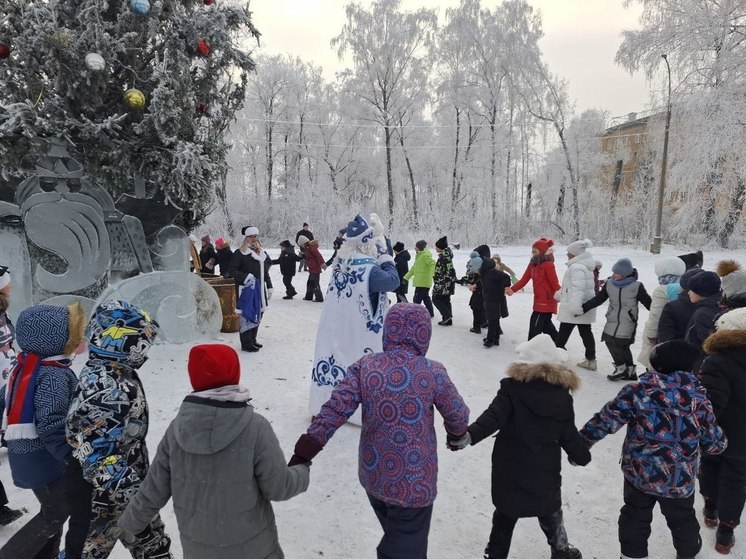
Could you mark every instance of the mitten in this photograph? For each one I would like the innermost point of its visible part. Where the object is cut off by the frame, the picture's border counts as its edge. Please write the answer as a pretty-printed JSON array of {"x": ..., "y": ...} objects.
[
  {"x": 250, "y": 280},
  {"x": 458, "y": 443},
  {"x": 306, "y": 450}
]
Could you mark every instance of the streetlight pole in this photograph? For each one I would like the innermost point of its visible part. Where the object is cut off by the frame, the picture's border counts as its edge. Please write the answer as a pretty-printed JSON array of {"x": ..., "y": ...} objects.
[{"x": 655, "y": 247}]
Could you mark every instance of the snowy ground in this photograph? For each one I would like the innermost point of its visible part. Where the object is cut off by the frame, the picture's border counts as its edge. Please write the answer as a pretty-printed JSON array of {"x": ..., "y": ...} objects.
[{"x": 333, "y": 519}]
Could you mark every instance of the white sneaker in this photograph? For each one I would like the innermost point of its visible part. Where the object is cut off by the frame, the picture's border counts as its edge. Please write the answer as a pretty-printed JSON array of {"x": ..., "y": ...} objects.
[{"x": 589, "y": 364}]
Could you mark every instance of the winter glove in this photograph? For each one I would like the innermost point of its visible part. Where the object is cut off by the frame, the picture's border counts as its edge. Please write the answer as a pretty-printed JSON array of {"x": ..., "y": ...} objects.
[
  {"x": 458, "y": 443},
  {"x": 250, "y": 280},
  {"x": 306, "y": 450},
  {"x": 383, "y": 246}
]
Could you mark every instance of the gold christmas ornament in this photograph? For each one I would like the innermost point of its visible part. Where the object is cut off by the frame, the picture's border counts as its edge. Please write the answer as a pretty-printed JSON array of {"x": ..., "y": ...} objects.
[{"x": 134, "y": 99}]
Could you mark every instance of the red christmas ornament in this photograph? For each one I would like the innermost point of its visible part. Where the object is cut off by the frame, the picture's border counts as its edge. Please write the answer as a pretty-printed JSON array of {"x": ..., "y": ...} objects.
[
  {"x": 4, "y": 50},
  {"x": 203, "y": 48},
  {"x": 209, "y": 2}
]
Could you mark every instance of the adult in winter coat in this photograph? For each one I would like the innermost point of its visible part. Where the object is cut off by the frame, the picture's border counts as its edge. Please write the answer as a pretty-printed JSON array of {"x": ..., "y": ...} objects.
[
  {"x": 421, "y": 273},
  {"x": 224, "y": 254},
  {"x": 444, "y": 281},
  {"x": 249, "y": 267},
  {"x": 722, "y": 480},
  {"x": 287, "y": 260},
  {"x": 7, "y": 363},
  {"x": 676, "y": 314},
  {"x": 669, "y": 421},
  {"x": 397, "y": 389},
  {"x": 315, "y": 263},
  {"x": 624, "y": 292},
  {"x": 704, "y": 292},
  {"x": 541, "y": 272},
  {"x": 493, "y": 282},
  {"x": 107, "y": 425},
  {"x": 669, "y": 270},
  {"x": 36, "y": 399},
  {"x": 208, "y": 256},
  {"x": 534, "y": 416},
  {"x": 577, "y": 288},
  {"x": 401, "y": 259},
  {"x": 222, "y": 464},
  {"x": 304, "y": 232}
]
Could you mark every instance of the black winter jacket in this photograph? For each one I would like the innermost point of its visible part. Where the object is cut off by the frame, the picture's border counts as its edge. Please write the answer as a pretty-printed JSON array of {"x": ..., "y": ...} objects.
[
  {"x": 224, "y": 256},
  {"x": 493, "y": 283},
  {"x": 723, "y": 374},
  {"x": 702, "y": 322},
  {"x": 205, "y": 255},
  {"x": 675, "y": 317},
  {"x": 244, "y": 264},
  {"x": 287, "y": 260},
  {"x": 533, "y": 411},
  {"x": 402, "y": 267}
]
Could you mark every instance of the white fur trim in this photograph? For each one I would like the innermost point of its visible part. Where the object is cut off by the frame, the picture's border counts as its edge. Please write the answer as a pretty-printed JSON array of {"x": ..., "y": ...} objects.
[
  {"x": 5, "y": 280},
  {"x": 20, "y": 431},
  {"x": 249, "y": 231}
]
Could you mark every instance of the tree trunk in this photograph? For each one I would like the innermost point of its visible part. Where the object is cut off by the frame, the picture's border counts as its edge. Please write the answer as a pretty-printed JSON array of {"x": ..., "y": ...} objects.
[
  {"x": 270, "y": 163},
  {"x": 573, "y": 183},
  {"x": 528, "y": 199},
  {"x": 561, "y": 198},
  {"x": 389, "y": 179},
  {"x": 493, "y": 170},
  {"x": 454, "y": 195},
  {"x": 411, "y": 174},
  {"x": 734, "y": 212}
]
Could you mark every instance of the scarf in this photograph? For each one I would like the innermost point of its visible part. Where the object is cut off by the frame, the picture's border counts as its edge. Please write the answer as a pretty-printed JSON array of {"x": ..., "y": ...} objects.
[
  {"x": 229, "y": 393},
  {"x": 539, "y": 258},
  {"x": 668, "y": 279},
  {"x": 624, "y": 281},
  {"x": 18, "y": 419}
]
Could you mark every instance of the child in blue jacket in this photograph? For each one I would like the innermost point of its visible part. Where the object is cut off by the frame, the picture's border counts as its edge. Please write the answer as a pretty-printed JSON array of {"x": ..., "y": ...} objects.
[{"x": 669, "y": 420}]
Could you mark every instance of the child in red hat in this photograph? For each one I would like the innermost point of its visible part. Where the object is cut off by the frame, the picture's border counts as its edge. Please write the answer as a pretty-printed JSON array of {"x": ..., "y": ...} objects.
[
  {"x": 541, "y": 271},
  {"x": 222, "y": 464}
]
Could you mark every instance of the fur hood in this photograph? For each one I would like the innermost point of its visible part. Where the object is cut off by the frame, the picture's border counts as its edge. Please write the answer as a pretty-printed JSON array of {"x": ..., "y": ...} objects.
[
  {"x": 553, "y": 373},
  {"x": 725, "y": 340}
]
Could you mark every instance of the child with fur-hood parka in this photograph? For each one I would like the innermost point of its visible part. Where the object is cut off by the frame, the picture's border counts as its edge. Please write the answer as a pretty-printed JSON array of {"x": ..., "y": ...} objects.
[
  {"x": 222, "y": 464},
  {"x": 722, "y": 480},
  {"x": 534, "y": 416}
]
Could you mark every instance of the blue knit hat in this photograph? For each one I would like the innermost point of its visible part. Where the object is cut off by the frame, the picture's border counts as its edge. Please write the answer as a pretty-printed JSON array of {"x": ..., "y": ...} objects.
[
  {"x": 475, "y": 262},
  {"x": 687, "y": 276},
  {"x": 623, "y": 267}
]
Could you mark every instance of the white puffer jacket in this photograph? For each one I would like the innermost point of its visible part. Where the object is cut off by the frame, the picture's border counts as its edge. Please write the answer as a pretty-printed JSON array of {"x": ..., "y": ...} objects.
[{"x": 577, "y": 288}]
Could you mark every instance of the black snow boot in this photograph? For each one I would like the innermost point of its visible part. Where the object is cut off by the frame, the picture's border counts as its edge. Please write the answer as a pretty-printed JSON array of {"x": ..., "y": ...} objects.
[
  {"x": 568, "y": 553},
  {"x": 9, "y": 515},
  {"x": 724, "y": 539}
]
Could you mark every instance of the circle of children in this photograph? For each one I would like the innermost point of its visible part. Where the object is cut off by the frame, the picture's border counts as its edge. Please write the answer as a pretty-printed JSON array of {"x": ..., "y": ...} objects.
[{"x": 79, "y": 443}]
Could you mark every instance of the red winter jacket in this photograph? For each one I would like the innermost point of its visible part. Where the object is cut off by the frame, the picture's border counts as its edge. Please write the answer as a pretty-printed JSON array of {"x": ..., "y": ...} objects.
[
  {"x": 314, "y": 260},
  {"x": 546, "y": 285}
]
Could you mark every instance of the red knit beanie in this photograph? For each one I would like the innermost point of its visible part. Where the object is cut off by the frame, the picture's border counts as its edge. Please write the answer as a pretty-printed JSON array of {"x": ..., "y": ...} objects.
[
  {"x": 213, "y": 366},
  {"x": 543, "y": 245}
]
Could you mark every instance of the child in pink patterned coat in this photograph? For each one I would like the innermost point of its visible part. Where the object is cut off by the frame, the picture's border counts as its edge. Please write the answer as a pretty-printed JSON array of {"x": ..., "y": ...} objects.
[{"x": 398, "y": 460}]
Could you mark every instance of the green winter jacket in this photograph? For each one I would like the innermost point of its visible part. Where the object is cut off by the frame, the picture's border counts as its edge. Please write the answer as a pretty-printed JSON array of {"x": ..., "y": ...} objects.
[{"x": 422, "y": 271}]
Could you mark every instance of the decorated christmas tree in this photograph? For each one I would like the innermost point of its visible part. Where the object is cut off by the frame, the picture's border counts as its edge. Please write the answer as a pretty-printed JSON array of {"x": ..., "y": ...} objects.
[{"x": 144, "y": 90}]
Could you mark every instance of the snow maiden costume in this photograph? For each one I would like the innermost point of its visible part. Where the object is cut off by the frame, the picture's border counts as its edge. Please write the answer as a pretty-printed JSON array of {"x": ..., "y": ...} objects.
[
  {"x": 249, "y": 267},
  {"x": 351, "y": 321}
]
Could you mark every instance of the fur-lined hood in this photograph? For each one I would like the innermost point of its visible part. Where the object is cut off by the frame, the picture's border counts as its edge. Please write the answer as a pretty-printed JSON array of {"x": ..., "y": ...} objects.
[
  {"x": 553, "y": 373},
  {"x": 725, "y": 340}
]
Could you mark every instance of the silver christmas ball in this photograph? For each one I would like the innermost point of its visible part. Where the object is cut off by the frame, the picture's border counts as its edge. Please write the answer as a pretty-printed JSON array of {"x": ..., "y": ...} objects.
[{"x": 94, "y": 61}]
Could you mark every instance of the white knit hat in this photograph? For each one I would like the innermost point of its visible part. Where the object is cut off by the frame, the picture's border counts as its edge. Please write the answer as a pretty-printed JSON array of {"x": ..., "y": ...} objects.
[
  {"x": 540, "y": 349},
  {"x": 578, "y": 247},
  {"x": 249, "y": 231},
  {"x": 303, "y": 241},
  {"x": 732, "y": 320}
]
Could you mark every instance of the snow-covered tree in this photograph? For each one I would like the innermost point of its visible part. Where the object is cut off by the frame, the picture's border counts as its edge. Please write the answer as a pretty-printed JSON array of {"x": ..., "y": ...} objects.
[{"x": 71, "y": 63}]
